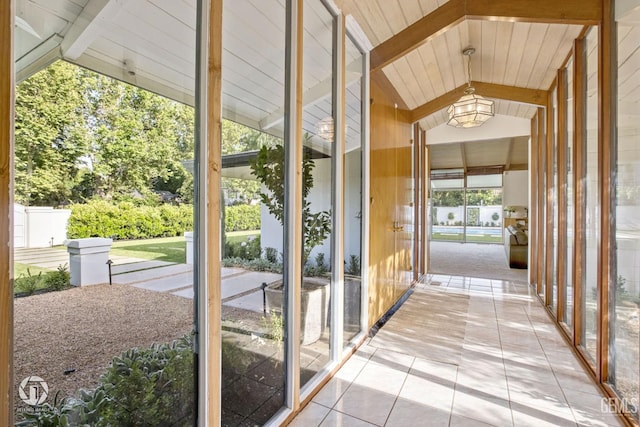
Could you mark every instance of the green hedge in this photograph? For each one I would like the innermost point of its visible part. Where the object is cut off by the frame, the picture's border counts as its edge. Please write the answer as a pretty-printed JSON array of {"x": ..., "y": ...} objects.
[
  {"x": 124, "y": 220},
  {"x": 242, "y": 217}
]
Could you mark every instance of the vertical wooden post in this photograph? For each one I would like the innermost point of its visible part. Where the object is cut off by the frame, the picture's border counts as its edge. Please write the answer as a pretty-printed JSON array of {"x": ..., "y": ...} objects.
[
  {"x": 424, "y": 194},
  {"x": 561, "y": 278},
  {"x": 607, "y": 153},
  {"x": 549, "y": 193},
  {"x": 580, "y": 192},
  {"x": 6, "y": 212},
  {"x": 542, "y": 168},
  {"x": 417, "y": 202},
  {"x": 210, "y": 228},
  {"x": 534, "y": 226},
  {"x": 293, "y": 196}
]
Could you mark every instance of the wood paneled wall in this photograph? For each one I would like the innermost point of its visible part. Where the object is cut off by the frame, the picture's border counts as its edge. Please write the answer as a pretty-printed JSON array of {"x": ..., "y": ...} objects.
[
  {"x": 6, "y": 199},
  {"x": 390, "y": 256}
]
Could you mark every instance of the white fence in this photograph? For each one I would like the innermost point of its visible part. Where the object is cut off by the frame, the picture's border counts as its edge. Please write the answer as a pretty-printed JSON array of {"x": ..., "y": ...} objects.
[{"x": 39, "y": 227}]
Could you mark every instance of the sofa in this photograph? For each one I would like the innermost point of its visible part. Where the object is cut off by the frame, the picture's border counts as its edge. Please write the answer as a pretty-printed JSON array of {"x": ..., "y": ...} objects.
[{"x": 516, "y": 246}]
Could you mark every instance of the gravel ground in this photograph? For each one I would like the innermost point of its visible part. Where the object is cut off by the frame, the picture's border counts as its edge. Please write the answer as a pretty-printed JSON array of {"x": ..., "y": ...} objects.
[{"x": 84, "y": 328}]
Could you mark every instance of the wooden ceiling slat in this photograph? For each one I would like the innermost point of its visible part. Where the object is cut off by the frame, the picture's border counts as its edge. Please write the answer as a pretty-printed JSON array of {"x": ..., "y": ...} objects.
[
  {"x": 487, "y": 51},
  {"x": 503, "y": 35}
]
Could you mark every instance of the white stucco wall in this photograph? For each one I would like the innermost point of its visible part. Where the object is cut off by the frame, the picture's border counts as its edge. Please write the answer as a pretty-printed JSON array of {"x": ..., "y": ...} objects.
[
  {"x": 515, "y": 188},
  {"x": 320, "y": 198}
]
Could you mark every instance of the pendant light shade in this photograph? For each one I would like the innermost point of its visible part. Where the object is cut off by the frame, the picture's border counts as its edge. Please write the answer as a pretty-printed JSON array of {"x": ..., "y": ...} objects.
[{"x": 470, "y": 110}]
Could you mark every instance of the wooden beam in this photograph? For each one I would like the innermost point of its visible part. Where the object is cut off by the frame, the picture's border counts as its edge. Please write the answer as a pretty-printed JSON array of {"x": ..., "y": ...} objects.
[
  {"x": 581, "y": 12},
  {"x": 488, "y": 90},
  {"x": 511, "y": 93},
  {"x": 418, "y": 33},
  {"x": 6, "y": 212}
]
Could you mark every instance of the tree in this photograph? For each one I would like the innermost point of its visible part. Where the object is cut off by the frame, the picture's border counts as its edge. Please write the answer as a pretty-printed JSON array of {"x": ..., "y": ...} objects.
[
  {"x": 268, "y": 167},
  {"x": 50, "y": 136},
  {"x": 80, "y": 135}
]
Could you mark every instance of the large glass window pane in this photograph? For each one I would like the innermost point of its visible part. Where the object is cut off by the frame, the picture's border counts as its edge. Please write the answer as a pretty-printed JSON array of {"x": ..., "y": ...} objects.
[
  {"x": 353, "y": 192},
  {"x": 483, "y": 211},
  {"x": 592, "y": 202},
  {"x": 108, "y": 154},
  {"x": 626, "y": 288},
  {"x": 318, "y": 138},
  {"x": 553, "y": 194},
  {"x": 448, "y": 213},
  {"x": 570, "y": 236},
  {"x": 253, "y": 187}
]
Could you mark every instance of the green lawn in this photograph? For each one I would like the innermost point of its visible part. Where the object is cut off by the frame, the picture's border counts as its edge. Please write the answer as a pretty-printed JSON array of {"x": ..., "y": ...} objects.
[
  {"x": 169, "y": 249},
  {"x": 21, "y": 269},
  {"x": 470, "y": 239}
]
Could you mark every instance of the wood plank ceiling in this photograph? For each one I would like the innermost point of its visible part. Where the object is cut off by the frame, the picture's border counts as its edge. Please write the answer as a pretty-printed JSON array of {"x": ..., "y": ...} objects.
[{"x": 520, "y": 54}]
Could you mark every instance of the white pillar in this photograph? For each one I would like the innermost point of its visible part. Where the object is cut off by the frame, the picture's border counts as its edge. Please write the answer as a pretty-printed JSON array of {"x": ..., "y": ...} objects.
[
  {"x": 188, "y": 238},
  {"x": 88, "y": 260}
]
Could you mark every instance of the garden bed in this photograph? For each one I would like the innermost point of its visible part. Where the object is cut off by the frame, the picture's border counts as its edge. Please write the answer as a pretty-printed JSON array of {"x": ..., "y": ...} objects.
[{"x": 82, "y": 329}]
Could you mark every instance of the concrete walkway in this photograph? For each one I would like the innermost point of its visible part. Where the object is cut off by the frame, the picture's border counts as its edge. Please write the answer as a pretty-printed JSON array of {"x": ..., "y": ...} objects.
[
  {"x": 52, "y": 258},
  {"x": 240, "y": 288}
]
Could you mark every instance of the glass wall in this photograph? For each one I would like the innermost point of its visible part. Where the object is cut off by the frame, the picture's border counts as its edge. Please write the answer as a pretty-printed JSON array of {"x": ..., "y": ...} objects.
[
  {"x": 626, "y": 288},
  {"x": 470, "y": 212},
  {"x": 592, "y": 202},
  {"x": 318, "y": 168},
  {"x": 553, "y": 198},
  {"x": 448, "y": 201},
  {"x": 353, "y": 191},
  {"x": 483, "y": 206},
  {"x": 253, "y": 306},
  {"x": 112, "y": 314},
  {"x": 570, "y": 194}
]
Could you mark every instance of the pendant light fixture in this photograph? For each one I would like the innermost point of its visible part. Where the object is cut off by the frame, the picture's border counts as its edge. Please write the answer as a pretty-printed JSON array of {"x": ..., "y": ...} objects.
[{"x": 471, "y": 110}]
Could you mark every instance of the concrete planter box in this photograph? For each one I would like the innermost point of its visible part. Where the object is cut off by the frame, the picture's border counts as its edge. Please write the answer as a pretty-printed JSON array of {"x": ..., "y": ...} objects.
[{"x": 314, "y": 306}]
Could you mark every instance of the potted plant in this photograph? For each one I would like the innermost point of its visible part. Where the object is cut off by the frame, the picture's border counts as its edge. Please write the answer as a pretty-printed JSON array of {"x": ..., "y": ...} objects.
[{"x": 268, "y": 167}]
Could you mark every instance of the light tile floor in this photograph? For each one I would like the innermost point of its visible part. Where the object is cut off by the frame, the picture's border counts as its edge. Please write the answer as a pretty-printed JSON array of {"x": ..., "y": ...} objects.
[{"x": 462, "y": 352}]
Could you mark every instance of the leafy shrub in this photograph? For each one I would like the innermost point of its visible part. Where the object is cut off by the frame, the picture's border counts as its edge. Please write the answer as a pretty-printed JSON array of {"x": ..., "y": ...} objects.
[
  {"x": 30, "y": 283},
  {"x": 495, "y": 216},
  {"x": 353, "y": 267},
  {"x": 59, "y": 279},
  {"x": 258, "y": 264},
  {"x": 247, "y": 250},
  {"x": 271, "y": 254},
  {"x": 125, "y": 220},
  {"x": 143, "y": 387},
  {"x": 242, "y": 218}
]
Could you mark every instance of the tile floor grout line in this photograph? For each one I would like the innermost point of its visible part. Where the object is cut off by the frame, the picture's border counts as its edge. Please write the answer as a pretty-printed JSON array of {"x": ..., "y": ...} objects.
[{"x": 398, "y": 395}]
